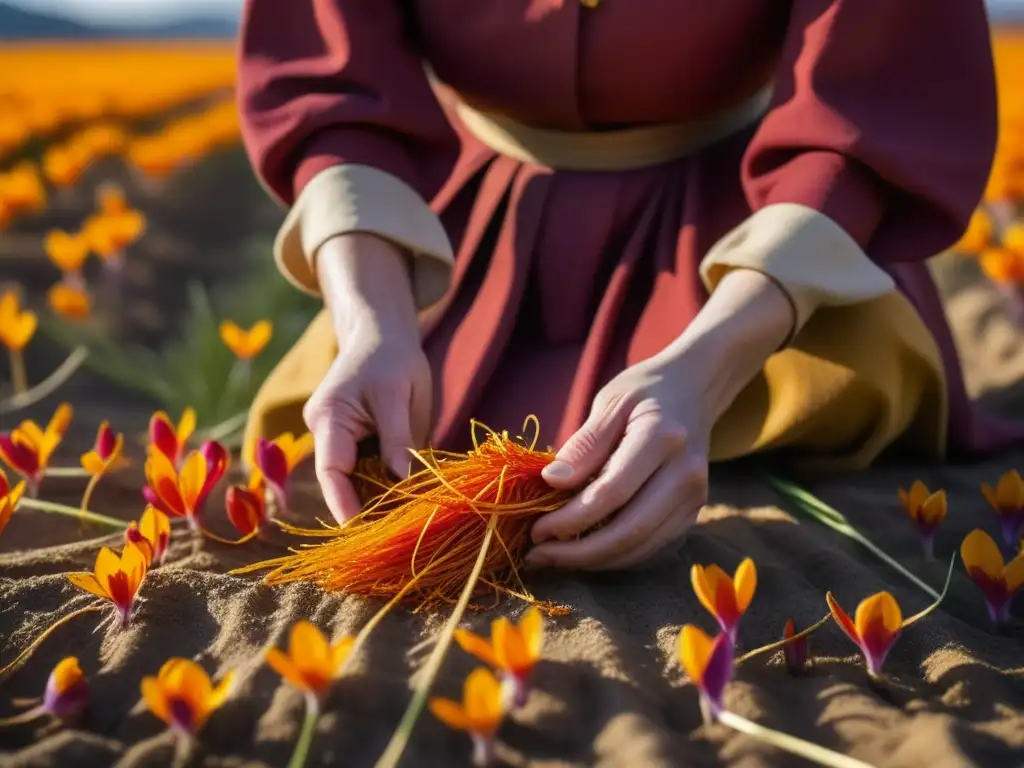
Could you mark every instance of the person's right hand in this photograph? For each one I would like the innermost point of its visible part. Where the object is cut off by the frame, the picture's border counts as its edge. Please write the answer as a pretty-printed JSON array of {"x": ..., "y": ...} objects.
[{"x": 380, "y": 382}]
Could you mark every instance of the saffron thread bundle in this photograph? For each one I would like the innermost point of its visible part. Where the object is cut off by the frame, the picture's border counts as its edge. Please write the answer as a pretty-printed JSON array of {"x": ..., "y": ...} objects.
[{"x": 427, "y": 529}]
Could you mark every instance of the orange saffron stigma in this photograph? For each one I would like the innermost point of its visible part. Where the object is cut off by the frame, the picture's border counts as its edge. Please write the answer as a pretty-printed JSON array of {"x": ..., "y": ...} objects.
[{"x": 424, "y": 533}]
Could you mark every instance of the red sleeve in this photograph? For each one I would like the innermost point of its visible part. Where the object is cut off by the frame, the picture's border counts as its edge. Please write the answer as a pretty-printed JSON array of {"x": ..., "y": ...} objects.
[
  {"x": 326, "y": 82},
  {"x": 883, "y": 118}
]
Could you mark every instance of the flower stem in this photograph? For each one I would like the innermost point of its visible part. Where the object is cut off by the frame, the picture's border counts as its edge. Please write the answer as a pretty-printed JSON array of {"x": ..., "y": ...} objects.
[
  {"x": 23, "y": 717},
  {"x": 19, "y": 378},
  {"x": 225, "y": 428},
  {"x": 784, "y": 642},
  {"x": 400, "y": 738},
  {"x": 805, "y": 749},
  {"x": 47, "y": 386},
  {"x": 233, "y": 542},
  {"x": 66, "y": 472},
  {"x": 305, "y": 741},
  {"x": 938, "y": 600},
  {"x": 22, "y": 657},
  {"x": 63, "y": 509},
  {"x": 834, "y": 519},
  {"x": 87, "y": 494}
]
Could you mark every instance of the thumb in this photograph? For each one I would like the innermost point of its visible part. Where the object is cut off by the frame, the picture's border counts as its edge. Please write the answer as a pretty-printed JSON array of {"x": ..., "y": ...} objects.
[{"x": 587, "y": 450}]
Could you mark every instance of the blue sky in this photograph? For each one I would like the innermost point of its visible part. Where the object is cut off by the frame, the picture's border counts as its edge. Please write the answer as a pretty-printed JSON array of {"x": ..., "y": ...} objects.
[
  {"x": 142, "y": 10},
  {"x": 131, "y": 10}
]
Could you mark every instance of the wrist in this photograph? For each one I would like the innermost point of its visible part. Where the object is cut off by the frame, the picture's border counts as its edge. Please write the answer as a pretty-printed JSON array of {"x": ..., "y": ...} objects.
[
  {"x": 366, "y": 287},
  {"x": 746, "y": 320}
]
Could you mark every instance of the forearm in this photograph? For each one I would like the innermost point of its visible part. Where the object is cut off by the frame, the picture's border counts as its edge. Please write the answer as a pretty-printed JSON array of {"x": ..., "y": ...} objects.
[
  {"x": 747, "y": 319},
  {"x": 366, "y": 286}
]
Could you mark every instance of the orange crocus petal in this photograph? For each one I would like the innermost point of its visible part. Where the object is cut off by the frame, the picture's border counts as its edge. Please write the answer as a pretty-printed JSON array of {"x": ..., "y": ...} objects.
[
  {"x": 701, "y": 588},
  {"x": 69, "y": 302},
  {"x": 107, "y": 564},
  {"x": 134, "y": 564},
  {"x": 309, "y": 648},
  {"x": 93, "y": 464},
  {"x": 695, "y": 648},
  {"x": 340, "y": 651},
  {"x": 1010, "y": 490},
  {"x": 979, "y": 552},
  {"x": 192, "y": 480},
  {"x": 531, "y": 628},
  {"x": 246, "y": 344},
  {"x": 156, "y": 699},
  {"x": 933, "y": 509},
  {"x": 186, "y": 425},
  {"x": 842, "y": 618},
  {"x": 483, "y": 700},
  {"x": 508, "y": 646},
  {"x": 88, "y": 582},
  {"x": 297, "y": 450},
  {"x": 478, "y": 646},
  {"x": 745, "y": 582},
  {"x": 68, "y": 252},
  {"x": 913, "y": 499},
  {"x": 5, "y": 485},
  {"x": 66, "y": 674},
  {"x": 879, "y": 614},
  {"x": 281, "y": 663},
  {"x": 450, "y": 713},
  {"x": 724, "y": 591},
  {"x": 1014, "y": 574}
]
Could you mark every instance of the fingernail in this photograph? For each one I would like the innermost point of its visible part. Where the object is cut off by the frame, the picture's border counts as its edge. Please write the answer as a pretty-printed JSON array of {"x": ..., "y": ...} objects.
[{"x": 560, "y": 470}]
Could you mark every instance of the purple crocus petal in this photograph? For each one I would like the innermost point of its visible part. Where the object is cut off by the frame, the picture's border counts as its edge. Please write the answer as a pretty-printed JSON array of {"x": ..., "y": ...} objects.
[
  {"x": 1011, "y": 525},
  {"x": 483, "y": 749},
  {"x": 875, "y": 643},
  {"x": 998, "y": 611},
  {"x": 796, "y": 655},
  {"x": 106, "y": 441},
  {"x": 272, "y": 463},
  {"x": 927, "y": 533},
  {"x": 181, "y": 716},
  {"x": 217, "y": 461},
  {"x": 518, "y": 688},
  {"x": 155, "y": 501},
  {"x": 717, "y": 673},
  {"x": 67, "y": 704}
]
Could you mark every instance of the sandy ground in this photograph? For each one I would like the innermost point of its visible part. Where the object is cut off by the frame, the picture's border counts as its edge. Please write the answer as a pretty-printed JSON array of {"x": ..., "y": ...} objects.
[{"x": 609, "y": 691}]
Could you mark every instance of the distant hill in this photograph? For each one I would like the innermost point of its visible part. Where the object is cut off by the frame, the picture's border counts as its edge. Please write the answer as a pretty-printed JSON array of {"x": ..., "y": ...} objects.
[{"x": 20, "y": 24}]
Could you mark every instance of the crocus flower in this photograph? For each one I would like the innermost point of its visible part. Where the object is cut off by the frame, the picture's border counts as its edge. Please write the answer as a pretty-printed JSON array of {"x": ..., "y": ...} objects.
[
  {"x": 978, "y": 234},
  {"x": 311, "y": 662},
  {"x": 926, "y": 509},
  {"x": 68, "y": 252},
  {"x": 513, "y": 650},
  {"x": 246, "y": 506},
  {"x": 171, "y": 441},
  {"x": 27, "y": 449},
  {"x": 877, "y": 623},
  {"x": 106, "y": 452},
  {"x": 726, "y": 598},
  {"x": 69, "y": 301},
  {"x": 183, "y": 696},
  {"x": 177, "y": 494},
  {"x": 218, "y": 461},
  {"x": 151, "y": 534},
  {"x": 9, "y": 498},
  {"x": 1007, "y": 499},
  {"x": 277, "y": 459},
  {"x": 708, "y": 662},
  {"x": 479, "y": 714},
  {"x": 17, "y": 326},
  {"x": 67, "y": 693},
  {"x": 998, "y": 581},
  {"x": 246, "y": 344},
  {"x": 795, "y": 651},
  {"x": 116, "y": 579}
]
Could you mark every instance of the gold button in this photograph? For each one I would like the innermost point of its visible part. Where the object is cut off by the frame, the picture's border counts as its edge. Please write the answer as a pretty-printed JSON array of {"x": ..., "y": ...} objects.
[{"x": 589, "y": 3}]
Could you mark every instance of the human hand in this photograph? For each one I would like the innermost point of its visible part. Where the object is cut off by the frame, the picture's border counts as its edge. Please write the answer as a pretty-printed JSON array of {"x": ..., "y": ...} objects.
[
  {"x": 646, "y": 441},
  {"x": 380, "y": 382},
  {"x": 641, "y": 458}
]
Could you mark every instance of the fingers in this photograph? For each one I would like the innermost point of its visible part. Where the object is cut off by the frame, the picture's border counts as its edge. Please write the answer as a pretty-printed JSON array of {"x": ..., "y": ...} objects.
[
  {"x": 670, "y": 534},
  {"x": 590, "y": 446},
  {"x": 678, "y": 489},
  {"x": 390, "y": 410},
  {"x": 336, "y": 435},
  {"x": 647, "y": 444}
]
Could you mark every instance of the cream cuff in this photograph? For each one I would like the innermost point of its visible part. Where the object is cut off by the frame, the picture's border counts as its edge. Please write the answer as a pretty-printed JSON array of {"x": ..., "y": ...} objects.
[
  {"x": 357, "y": 198},
  {"x": 814, "y": 260}
]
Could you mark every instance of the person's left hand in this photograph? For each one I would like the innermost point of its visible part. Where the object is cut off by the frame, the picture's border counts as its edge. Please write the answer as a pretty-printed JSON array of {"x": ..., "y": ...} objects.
[{"x": 644, "y": 451}]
